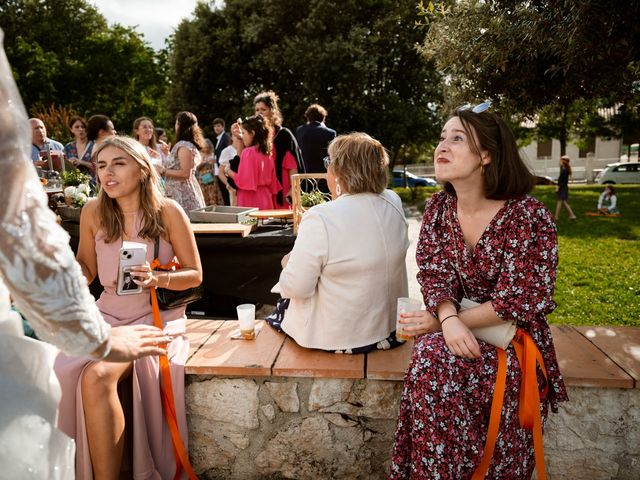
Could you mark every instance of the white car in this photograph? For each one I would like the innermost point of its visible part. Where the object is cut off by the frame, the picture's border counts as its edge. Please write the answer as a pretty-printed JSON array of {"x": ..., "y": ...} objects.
[{"x": 623, "y": 172}]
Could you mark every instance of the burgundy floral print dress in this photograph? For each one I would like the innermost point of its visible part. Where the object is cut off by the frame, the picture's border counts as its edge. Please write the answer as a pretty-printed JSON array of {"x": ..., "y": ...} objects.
[{"x": 446, "y": 400}]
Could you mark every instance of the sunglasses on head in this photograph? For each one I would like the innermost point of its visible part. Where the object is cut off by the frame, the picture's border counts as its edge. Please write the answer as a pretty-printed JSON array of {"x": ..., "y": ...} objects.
[{"x": 479, "y": 108}]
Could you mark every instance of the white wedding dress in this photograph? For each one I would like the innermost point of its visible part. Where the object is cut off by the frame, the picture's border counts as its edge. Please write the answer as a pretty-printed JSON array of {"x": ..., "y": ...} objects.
[{"x": 38, "y": 270}]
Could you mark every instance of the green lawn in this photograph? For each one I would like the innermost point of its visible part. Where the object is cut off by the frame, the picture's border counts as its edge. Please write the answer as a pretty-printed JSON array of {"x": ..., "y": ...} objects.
[{"x": 599, "y": 271}]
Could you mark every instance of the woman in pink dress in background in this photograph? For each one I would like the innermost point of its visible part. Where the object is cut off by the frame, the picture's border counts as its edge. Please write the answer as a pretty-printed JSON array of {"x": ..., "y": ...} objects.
[
  {"x": 256, "y": 178},
  {"x": 286, "y": 152},
  {"x": 129, "y": 207}
]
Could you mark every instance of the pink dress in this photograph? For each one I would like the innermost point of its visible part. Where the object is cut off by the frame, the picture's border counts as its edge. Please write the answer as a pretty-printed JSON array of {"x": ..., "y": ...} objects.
[
  {"x": 256, "y": 180},
  {"x": 153, "y": 456},
  {"x": 288, "y": 163}
]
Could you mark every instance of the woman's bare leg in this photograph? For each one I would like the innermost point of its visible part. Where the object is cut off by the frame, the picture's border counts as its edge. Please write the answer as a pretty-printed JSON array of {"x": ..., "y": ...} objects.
[
  {"x": 104, "y": 417},
  {"x": 558, "y": 207},
  {"x": 571, "y": 214}
]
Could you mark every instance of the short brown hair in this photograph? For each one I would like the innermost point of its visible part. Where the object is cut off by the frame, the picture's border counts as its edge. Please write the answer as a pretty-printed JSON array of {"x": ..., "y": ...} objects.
[
  {"x": 218, "y": 121},
  {"x": 360, "y": 162},
  {"x": 77, "y": 118},
  {"x": 315, "y": 113},
  {"x": 506, "y": 176}
]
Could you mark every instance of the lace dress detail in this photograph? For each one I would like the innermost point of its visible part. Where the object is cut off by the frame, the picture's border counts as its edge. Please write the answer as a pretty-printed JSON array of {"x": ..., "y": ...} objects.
[{"x": 40, "y": 272}]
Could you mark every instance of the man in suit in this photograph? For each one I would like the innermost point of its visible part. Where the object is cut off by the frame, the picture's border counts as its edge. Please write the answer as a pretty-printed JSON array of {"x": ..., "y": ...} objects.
[
  {"x": 314, "y": 138},
  {"x": 222, "y": 137},
  {"x": 222, "y": 141}
]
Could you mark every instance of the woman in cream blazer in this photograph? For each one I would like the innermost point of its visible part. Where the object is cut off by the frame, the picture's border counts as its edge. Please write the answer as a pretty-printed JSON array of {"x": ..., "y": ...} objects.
[{"x": 341, "y": 281}]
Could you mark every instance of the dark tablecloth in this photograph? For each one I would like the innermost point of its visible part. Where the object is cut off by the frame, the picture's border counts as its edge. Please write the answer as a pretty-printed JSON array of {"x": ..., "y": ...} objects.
[{"x": 235, "y": 269}]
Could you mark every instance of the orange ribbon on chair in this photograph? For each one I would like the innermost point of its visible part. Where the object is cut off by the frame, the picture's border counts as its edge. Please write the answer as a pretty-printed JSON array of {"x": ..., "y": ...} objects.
[
  {"x": 529, "y": 405},
  {"x": 166, "y": 388}
]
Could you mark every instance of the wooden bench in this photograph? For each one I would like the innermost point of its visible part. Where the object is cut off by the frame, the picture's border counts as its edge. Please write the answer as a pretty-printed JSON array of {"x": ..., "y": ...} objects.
[
  {"x": 607, "y": 357},
  {"x": 269, "y": 408}
]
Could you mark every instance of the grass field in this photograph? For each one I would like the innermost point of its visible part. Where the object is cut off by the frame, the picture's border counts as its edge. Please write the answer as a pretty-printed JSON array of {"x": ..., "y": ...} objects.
[{"x": 598, "y": 279}]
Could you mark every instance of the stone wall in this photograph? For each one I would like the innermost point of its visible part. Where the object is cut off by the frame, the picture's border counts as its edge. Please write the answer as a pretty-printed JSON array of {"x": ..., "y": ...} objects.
[{"x": 268, "y": 428}]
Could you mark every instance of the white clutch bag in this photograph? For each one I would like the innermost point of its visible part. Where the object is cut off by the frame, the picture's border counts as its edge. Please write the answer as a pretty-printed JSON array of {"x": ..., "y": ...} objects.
[{"x": 497, "y": 335}]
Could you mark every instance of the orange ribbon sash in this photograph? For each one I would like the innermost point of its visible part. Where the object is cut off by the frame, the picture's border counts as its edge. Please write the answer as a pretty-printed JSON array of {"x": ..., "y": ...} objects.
[
  {"x": 529, "y": 405},
  {"x": 166, "y": 388}
]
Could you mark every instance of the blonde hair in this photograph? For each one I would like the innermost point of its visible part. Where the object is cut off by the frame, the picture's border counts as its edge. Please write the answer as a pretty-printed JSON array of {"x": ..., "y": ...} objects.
[
  {"x": 151, "y": 198},
  {"x": 360, "y": 162}
]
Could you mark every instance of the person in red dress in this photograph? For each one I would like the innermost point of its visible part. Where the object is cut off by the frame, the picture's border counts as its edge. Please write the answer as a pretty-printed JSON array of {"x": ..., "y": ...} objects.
[
  {"x": 485, "y": 239},
  {"x": 286, "y": 152},
  {"x": 256, "y": 177}
]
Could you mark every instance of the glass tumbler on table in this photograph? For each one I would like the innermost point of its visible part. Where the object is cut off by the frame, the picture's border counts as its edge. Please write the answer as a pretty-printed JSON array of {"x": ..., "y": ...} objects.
[{"x": 247, "y": 320}]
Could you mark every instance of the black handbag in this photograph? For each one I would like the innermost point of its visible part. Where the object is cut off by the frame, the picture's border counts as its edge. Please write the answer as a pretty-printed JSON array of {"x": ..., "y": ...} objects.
[{"x": 168, "y": 299}]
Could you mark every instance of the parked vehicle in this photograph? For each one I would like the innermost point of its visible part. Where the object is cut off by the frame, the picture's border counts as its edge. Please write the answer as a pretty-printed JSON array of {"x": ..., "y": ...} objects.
[
  {"x": 412, "y": 179},
  {"x": 622, "y": 172}
]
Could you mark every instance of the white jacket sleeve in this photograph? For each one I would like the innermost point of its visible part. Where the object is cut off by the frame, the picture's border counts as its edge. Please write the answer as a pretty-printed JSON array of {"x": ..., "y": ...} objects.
[
  {"x": 36, "y": 263},
  {"x": 613, "y": 201},
  {"x": 600, "y": 200},
  {"x": 308, "y": 257}
]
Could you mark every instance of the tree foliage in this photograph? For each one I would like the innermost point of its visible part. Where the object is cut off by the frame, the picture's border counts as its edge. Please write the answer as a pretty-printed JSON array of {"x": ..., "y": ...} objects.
[
  {"x": 543, "y": 59},
  {"x": 63, "y": 52},
  {"x": 357, "y": 58}
]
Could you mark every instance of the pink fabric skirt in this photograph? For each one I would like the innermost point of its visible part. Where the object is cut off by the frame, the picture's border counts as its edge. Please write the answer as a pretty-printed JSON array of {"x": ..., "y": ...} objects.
[{"x": 152, "y": 456}]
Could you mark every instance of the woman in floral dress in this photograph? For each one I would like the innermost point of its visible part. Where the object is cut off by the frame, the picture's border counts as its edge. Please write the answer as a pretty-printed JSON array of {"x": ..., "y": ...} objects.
[
  {"x": 485, "y": 239},
  {"x": 179, "y": 167}
]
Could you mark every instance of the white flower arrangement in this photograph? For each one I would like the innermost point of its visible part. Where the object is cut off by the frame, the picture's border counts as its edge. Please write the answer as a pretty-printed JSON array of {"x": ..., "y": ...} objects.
[{"x": 77, "y": 196}]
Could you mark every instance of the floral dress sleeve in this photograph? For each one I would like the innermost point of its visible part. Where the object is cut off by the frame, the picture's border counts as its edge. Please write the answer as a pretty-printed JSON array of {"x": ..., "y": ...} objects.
[
  {"x": 436, "y": 264},
  {"x": 524, "y": 289}
]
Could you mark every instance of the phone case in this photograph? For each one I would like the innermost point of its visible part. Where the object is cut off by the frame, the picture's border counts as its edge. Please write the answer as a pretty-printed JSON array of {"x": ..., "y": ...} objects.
[{"x": 131, "y": 254}]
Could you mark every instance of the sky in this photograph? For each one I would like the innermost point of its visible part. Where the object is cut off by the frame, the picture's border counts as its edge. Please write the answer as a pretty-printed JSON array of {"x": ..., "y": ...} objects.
[{"x": 156, "y": 19}]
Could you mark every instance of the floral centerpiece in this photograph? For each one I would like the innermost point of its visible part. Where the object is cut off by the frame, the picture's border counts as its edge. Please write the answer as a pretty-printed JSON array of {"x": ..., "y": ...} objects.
[
  {"x": 76, "y": 188},
  {"x": 76, "y": 191}
]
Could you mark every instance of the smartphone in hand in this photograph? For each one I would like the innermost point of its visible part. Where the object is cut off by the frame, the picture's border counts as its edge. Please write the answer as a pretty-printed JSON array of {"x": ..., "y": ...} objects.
[{"x": 132, "y": 254}]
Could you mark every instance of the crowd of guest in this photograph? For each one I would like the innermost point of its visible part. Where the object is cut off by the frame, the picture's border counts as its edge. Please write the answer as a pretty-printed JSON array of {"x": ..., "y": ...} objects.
[
  {"x": 483, "y": 241},
  {"x": 230, "y": 169}
]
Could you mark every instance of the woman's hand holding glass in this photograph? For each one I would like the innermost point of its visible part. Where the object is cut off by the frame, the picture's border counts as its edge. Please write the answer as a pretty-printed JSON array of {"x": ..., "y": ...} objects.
[{"x": 418, "y": 323}]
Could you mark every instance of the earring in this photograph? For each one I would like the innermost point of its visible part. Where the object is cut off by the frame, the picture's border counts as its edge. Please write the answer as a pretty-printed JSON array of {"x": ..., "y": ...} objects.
[
  {"x": 482, "y": 166},
  {"x": 338, "y": 190}
]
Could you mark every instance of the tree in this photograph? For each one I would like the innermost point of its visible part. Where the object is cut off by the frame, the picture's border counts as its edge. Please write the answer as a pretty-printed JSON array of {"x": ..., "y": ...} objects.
[
  {"x": 538, "y": 58},
  {"x": 358, "y": 59},
  {"x": 62, "y": 52}
]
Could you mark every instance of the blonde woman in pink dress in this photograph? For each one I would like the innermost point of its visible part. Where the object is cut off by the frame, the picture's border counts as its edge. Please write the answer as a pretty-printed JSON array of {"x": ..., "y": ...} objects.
[
  {"x": 256, "y": 177},
  {"x": 129, "y": 207},
  {"x": 40, "y": 277}
]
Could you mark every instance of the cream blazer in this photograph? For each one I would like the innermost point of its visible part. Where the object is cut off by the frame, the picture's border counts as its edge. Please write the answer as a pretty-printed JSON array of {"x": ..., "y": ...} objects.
[{"x": 346, "y": 272}]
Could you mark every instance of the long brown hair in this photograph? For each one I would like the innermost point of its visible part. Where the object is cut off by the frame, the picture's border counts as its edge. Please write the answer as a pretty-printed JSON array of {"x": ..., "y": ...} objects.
[
  {"x": 261, "y": 135},
  {"x": 506, "y": 176},
  {"x": 565, "y": 163},
  {"x": 189, "y": 130},
  {"x": 136, "y": 123},
  {"x": 110, "y": 215}
]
